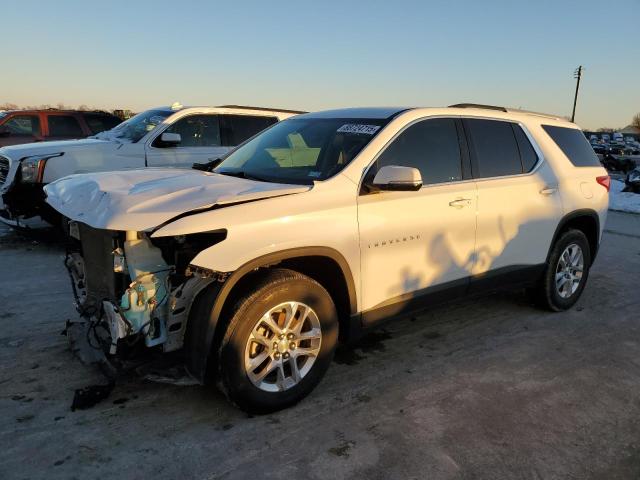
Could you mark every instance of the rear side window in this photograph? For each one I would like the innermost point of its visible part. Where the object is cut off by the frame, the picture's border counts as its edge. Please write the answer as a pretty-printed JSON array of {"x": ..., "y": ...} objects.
[
  {"x": 431, "y": 146},
  {"x": 574, "y": 145},
  {"x": 235, "y": 129},
  {"x": 28, "y": 125},
  {"x": 527, "y": 153},
  {"x": 495, "y": 151},
  {"x": 99, "y": 123},
  {"x": 64, "y": 126}
]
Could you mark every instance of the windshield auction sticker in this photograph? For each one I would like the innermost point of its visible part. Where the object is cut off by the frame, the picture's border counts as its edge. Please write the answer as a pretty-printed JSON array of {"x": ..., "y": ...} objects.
[{"x": 358, "y": 128}]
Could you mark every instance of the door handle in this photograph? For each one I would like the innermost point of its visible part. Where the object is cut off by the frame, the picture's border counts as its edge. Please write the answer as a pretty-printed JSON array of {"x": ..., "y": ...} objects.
[
  {"x": 460, "y": 203},
  {"x": 548, "y": 191}
]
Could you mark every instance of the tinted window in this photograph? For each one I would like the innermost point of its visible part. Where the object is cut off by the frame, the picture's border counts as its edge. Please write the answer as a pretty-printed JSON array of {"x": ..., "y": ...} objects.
[
  {"x": 238, "y": 128},
  {"x": 573, "y": 145},
  {"x": 527, "y": 153},
  {"x": 197, "y": 131},
  {"x": 64, "y": 126},
  {"x": 494, "y": 147},
  {"x": 23, "y": 125},
  {"x": 99, "y": 123},
  {"x": 431, "y": 146}
]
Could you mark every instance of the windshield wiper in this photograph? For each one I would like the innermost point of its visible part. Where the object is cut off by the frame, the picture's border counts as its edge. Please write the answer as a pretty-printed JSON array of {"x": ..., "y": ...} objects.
[{"x": 207, "y": 167}]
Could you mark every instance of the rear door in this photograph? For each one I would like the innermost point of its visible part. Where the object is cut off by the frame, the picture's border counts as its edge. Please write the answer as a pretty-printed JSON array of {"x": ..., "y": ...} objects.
[
  {"x": 21, "y": 128},
  {"x": 200, "y": 142},
  {"x": 519, "y": 205},
  {"x": 63, "y": 126}
]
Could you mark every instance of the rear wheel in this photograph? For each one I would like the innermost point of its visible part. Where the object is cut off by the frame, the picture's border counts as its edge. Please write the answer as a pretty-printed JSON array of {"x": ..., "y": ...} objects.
[
  {"x": 279, "y": 342},
  {"x": 567, "y": 271}
]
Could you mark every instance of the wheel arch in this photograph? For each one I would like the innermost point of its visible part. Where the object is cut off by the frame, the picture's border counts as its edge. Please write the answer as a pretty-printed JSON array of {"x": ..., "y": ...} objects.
[
  {"x": 205, "y": 328},
  {"x": 587, "y": 221}
]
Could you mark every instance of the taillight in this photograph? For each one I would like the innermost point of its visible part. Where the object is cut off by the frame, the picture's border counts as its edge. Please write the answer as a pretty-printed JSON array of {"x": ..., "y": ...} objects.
[{"x": 605, "y": 181}]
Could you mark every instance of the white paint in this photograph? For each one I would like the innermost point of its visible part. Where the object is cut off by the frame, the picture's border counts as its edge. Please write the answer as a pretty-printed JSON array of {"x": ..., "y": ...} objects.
[{"x": 437, "y": 234}]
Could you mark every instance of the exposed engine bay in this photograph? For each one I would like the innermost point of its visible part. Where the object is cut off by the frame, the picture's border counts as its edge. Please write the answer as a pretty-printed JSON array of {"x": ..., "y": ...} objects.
[{"x": 132, "y": 290}]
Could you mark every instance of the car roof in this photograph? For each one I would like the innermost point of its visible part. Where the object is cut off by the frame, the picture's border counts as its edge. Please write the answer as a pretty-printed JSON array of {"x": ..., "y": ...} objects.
[
  {"x": 382, "y": 113},
  {"x": 170, "y": 108},
  {"x": 56, "y": 110},
  {"x": 462, "y": 109}
]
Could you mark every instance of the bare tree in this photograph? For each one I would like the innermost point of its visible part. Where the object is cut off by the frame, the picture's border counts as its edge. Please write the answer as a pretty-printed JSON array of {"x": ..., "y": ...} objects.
[{"x": 636, "y": 120}]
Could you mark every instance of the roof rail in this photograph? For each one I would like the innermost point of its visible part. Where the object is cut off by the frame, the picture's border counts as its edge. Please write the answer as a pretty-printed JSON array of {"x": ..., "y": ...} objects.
[
  {"x": 265, "y": 109},
  {"x": 478, "y": 105}
]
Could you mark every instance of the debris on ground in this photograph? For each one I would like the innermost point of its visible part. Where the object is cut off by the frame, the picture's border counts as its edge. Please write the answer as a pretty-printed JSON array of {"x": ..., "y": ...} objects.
[{"x": 90, "y": 396}]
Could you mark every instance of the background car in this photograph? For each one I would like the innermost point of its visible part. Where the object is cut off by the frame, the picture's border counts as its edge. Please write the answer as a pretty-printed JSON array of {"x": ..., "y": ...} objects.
[
  {"x": 28, "y": 126},
  {"x": 173, "y": 136}
]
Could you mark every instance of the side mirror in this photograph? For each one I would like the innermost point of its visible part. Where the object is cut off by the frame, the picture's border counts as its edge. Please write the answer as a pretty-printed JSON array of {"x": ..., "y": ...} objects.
[
  {"x": 396, "y": 178},
  {"x": 4, "y": 131},
  {"x": 168, "y": 139}
]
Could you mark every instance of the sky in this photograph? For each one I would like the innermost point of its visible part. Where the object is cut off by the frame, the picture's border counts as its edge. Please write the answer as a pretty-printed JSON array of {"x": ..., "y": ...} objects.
[{"x": 314, "y": 55}]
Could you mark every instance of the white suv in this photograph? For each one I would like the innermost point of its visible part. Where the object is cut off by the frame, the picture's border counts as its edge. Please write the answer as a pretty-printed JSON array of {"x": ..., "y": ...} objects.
[
  {"x": 162, "y": 137},
  {"x": 326, "y": 225}
]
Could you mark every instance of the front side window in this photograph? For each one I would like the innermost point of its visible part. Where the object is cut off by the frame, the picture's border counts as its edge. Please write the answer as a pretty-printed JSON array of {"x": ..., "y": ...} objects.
[
  {"x": 302, "y": 150},
  {"x": 197, "y": 131},
  {"x": 28, "y": 125},
  {"x": 573, "y": 144},
  {"x": 431, "y": 146},
  {"x": 64, "y": 126},
  {"x": 238, "y": 128},
  {"x": 494, "y": 148}
]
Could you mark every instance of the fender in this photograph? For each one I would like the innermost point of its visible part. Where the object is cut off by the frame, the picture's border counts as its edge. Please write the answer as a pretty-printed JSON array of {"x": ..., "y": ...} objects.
[
  {"x": 584, "y": 212},
  {"x": 202, "y": 326}
]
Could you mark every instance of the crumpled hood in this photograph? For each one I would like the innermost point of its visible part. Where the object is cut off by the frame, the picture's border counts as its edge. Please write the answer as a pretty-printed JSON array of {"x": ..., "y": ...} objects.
[{"x": 145, "y": 198}]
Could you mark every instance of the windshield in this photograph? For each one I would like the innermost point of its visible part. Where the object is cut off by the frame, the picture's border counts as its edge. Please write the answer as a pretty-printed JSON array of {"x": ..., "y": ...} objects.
[
  {"x": 137, "y": 126},
  {"x": 301, "y": 150}
]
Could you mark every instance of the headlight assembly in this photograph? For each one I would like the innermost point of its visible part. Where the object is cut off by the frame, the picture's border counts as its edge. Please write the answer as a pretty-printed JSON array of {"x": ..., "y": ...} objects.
[{"x": 32, "y": 168}]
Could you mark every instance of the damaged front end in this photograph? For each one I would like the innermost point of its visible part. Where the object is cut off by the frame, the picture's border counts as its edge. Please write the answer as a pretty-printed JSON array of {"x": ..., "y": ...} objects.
[
  {"x": 132, "y": 291},
  {"x": 22, "y": 198}
]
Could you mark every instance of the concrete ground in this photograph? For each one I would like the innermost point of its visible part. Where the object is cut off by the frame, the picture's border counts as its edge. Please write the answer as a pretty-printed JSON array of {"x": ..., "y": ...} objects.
[{"x": 491, "y": 388}]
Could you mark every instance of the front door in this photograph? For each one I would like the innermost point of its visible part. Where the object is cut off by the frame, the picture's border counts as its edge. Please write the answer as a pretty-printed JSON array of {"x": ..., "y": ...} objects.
[
  {"x": 200, "y": 143},
  {"x": 417, "y": 242}
]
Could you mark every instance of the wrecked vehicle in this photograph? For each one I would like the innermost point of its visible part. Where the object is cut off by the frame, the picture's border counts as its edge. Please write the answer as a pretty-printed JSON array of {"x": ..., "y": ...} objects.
[
  {"x": 324, "y": 226},
  {"x": 632, "y": 181},
  {"x": 173, "y": 136}
]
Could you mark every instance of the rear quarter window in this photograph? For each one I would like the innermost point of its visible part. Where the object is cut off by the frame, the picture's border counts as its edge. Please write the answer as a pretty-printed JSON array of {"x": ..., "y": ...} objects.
[{"x": 574, "y": 145}]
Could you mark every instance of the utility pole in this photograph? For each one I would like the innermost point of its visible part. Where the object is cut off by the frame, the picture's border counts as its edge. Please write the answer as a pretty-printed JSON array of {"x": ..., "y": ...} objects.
[{"x": 577, "y": 74}]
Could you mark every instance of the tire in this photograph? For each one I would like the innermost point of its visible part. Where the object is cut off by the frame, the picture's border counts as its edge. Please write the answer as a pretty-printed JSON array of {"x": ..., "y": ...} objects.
[
  {"x": 250, "y": 338},
  {"x": 550, "y": 294}
]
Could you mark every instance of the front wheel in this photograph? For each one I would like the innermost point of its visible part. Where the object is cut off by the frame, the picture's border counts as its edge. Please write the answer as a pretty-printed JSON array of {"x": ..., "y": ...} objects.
[
  {"x": 567, "y": 271},
  {"x": 279, "y": 342}
]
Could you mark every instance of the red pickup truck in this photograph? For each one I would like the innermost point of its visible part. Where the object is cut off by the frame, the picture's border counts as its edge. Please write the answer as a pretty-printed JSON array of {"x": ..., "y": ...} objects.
[{"x": 27, "y": 126}]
